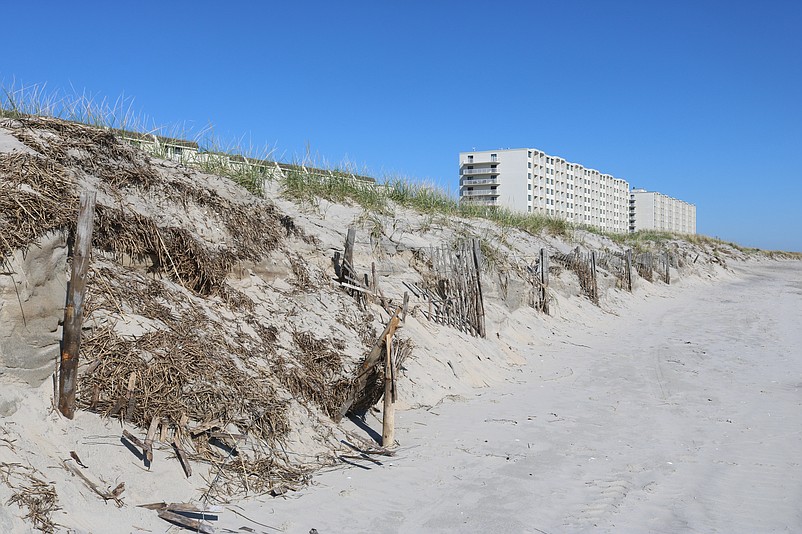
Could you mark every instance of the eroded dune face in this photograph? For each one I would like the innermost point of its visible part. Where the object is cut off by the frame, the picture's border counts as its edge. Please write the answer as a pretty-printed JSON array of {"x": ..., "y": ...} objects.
[{"x": 32, "y": 295}]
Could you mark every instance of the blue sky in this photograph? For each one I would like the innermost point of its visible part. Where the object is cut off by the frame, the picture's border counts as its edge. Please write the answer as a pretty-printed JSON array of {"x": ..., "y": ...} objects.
[{"x": 701, "y": 100}]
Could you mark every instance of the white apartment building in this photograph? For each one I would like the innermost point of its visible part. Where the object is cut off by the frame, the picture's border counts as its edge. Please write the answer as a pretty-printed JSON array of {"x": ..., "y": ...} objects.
[
  {"x": 650, "y": 210},
  {"x": 530, "y": 181}
]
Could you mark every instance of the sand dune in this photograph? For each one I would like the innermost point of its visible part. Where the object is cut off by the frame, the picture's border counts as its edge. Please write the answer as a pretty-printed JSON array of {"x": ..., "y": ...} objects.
[
  {"x": 686, "y": 419},
  {"x": 670, "y": 408}
]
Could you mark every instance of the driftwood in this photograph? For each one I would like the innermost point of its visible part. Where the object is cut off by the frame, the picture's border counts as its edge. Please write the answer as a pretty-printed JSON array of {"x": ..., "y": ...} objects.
[
  {"x": 368, "y": 364},
  {"x": 74, "y": 309},
  {"x": 113, "y": 495},
  {"x": 194, "y": 525},
  {"x": 182, "y": 457},
  {"x": 175, "y": 513},
  {"x": 148, "y": 445}
]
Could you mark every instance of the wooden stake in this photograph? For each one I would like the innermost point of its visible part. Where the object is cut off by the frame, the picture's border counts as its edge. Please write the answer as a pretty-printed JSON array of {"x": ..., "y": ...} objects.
[
  {"x": 182, "y": 456},
  {"x": 480, "y": 307},
  {"x": 404, "y": 307},
  {"x": 544, "y": 281},
  {"x": 594, "y": 289},
  {"x": 163, "y": 428},
  {"x": 129, "y": 411},
  {"x": 388, "y": 421},
  {"x": 347, "y": 269},
  {"x": 629, "y": 270},
  {"x": 372, "y": 359},
  {"x": 135, "y": 440},
  {"x": 154, "y": 426},
  {"x": 74, "y": 309},
  {"x": 187, "y": 522}
]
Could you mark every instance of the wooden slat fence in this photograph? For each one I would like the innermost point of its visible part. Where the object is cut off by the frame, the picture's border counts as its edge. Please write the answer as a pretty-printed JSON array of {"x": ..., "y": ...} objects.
[
  {"x": 455, "y": 288},
  {"x": 584, "y": 265}
]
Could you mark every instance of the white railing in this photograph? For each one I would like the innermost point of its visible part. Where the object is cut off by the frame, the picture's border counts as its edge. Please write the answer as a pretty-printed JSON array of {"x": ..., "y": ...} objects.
[
  {"x": 479, "y": 181},
  {"x": 481, "y": 170},
  {"x": 480, "y": 193},
  {"x": 481, "y": 162},
  {"x": 481, "y": 202}
]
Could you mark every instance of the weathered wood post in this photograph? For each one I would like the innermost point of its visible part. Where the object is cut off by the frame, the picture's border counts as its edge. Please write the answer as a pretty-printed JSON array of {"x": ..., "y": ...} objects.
[
  {"x": 544, "y": 281},
  {"x": 373, "y": 358},
  {"x": 668, "y": 268},
  {"x": 629, "y": 270},
  {"x": 347, "y": 271},
  {"x": 594, "y": 288},
  {"x": 388, "y": 419},
  {"x": 480, "y": 307},
  {"x": 74, "y": 309}
]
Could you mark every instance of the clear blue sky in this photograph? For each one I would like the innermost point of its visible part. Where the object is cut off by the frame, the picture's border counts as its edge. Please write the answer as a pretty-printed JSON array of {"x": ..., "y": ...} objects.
[{"x": 701, "y": 100}]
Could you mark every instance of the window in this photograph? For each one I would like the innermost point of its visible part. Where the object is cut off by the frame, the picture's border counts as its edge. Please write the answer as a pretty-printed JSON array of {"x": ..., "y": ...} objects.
[
  {"x": 529, "y": 186},
  {"x": 493, "y": 157},
  {"x": 529, "y": 164},
  {"x": 470, "y": 158},
  {"x": 530, "y": 198}
]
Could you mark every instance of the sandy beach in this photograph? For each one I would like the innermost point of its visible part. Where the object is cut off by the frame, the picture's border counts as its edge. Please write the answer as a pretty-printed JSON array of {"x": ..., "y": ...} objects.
[
  {"x": 686, "y": 419},
  {"x": 668, "y": 408}
]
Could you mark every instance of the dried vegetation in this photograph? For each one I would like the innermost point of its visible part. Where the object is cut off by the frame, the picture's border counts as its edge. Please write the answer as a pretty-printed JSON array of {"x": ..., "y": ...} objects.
[
  {"x": 30, "y": 493},
  {"x": 207, "y": 361}
]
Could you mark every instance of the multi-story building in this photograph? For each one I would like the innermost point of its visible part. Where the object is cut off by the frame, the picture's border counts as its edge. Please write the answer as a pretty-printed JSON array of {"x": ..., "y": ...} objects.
[
  {"x": 649, "y": 210},
  {"x": 530, "y": 181}
]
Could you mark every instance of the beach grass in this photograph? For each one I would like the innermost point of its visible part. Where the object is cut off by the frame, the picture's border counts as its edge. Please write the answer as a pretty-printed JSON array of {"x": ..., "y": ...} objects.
[{"x": 252, "y": 169}]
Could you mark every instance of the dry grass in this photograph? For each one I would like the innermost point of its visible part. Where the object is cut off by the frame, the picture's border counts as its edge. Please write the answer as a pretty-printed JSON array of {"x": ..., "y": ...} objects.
[
  {"x": 207, "y": 354},
  {"x": 29, "y": 492}
]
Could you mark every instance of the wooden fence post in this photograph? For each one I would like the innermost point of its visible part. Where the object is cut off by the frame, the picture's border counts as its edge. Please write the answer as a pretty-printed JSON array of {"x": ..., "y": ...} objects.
[
  {"x": 544, "y": 281},
  {"x": 594, "y": 286},
  {"x": 347, "y": 270},
  {"x": 74, "y": 309},
  {"x": 480, "y": 307},
  {"x": 372, "y": 359},
  {"x": 388, "y": 419},
  {"x": 629, "y": 270}
]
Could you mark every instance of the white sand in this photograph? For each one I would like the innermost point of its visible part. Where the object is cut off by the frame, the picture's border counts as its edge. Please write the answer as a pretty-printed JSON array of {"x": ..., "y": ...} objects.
[
  {"x": 674, "y": 408},
  {"x": 684, "y": 419}
]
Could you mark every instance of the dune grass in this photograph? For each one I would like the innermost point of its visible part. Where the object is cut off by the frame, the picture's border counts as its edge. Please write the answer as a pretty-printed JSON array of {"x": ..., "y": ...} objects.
[
  {"x": 649, "y": 239},
  {"x": 232, "y": 161},
  {"x": 252, "y": 169}
]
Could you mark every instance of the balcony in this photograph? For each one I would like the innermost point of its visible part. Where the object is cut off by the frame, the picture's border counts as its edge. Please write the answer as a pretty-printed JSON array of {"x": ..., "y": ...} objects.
[
  {"x": 480, "y": 193},
  {"x": 479, "y": 181},
  {"x": 481, "y": 201},
  {"x": 485, "y": 162},
  {"x": 480, "y": 170}
]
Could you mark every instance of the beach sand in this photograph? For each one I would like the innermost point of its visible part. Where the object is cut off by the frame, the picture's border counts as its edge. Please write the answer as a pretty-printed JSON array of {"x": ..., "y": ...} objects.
[
  {"x": 668, "y": 409},
  {"x": 682, "y": 417}
]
